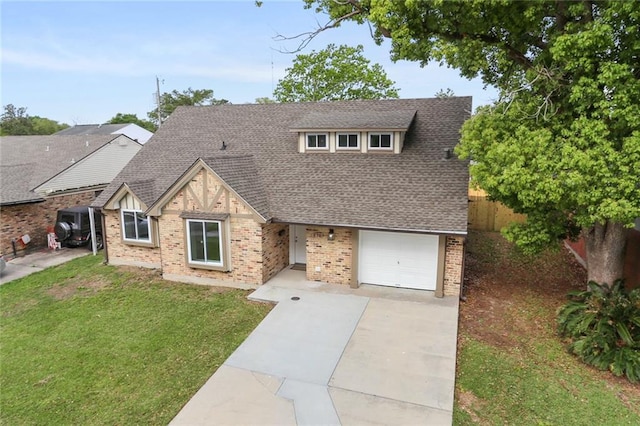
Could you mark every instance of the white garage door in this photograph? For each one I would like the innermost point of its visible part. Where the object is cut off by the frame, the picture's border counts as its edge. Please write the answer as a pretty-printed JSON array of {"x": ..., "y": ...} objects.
[{"x": 398, "y": 260}]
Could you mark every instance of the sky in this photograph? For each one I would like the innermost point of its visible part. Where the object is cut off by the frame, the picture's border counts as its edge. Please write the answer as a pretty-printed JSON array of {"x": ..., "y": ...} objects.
[{"x": 82, "y": 62}]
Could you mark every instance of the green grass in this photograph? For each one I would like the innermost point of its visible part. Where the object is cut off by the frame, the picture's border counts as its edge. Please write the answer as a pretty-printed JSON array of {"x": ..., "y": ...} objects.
[
  {"x": 512, "y": 368},
  {"x": 534, "y": 388},
  {"x": 85, "y": 343}
]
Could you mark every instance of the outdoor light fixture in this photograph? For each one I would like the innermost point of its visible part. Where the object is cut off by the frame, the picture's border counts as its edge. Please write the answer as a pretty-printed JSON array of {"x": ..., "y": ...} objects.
[{"x": 331, "y": 235}]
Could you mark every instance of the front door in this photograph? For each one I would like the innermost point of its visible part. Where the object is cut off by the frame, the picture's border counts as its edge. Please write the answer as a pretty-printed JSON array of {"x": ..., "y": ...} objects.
[{"x": 300, "y": 244}]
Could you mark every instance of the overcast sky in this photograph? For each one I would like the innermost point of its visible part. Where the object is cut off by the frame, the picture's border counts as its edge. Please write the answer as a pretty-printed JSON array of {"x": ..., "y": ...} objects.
[{"x": 83, "y": 62}]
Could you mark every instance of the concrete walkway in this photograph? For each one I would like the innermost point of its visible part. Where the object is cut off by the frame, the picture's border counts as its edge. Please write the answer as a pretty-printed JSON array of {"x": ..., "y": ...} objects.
[
  {"x": 333, "y": 355},
  {"x": 39, "y": 261}
]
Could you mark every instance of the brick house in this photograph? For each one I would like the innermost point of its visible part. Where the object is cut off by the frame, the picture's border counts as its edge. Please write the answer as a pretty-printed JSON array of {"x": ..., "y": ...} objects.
[
  {"x": 352, "y": 191},
  {"x": 41, "y": 174}
]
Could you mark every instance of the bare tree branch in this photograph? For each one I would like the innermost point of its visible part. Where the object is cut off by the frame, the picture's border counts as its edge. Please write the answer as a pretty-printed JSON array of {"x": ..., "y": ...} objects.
[{"x": 310, "y": 35}]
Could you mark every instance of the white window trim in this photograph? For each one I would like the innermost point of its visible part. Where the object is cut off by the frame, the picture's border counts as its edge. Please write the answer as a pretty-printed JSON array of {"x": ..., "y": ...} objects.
[
  {"x": 306, "y": 141},
  {"x": 347, "y": 148},
  {"x": 220, "y": 243},
  {"x": 124, "y": 234},
  {"x": 380, "y": 148}
]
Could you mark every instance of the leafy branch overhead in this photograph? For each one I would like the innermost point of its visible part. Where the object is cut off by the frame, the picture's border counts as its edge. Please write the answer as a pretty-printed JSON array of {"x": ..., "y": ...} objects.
[
  {"x": 334, "y": 73},
  {"x": 562, "y": 144}
]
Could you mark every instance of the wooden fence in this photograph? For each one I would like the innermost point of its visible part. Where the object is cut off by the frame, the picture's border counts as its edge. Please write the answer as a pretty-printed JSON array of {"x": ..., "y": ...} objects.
[{"x": 485, "y": 215}]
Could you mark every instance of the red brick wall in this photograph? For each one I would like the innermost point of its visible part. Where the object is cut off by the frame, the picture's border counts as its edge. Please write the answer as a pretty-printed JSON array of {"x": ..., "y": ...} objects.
[{"x": 33, "y": 219}]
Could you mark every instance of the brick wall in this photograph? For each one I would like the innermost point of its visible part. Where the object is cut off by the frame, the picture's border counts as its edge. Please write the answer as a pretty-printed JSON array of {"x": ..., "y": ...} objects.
[
  {"x": 246, "y": 239},
  {"x": 454, "y": 253},
  {"x": 275, "y": 249},
  {"x": 246, "y": 252},
  {"x": 333, "y": 258},
  {"x": 126, "y": 254},
  {"x": 33, "y": 219}
]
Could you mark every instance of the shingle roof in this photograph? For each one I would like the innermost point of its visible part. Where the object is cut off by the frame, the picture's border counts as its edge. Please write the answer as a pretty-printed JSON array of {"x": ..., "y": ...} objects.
[
  {"x": 414, "y": 190},
  {"x": 91, "y": 129},
  {"x": 241, "y": 174},
  {"x": 28, "y": 161},
  {"x": 365, "y": 120},
  {"x": 143, "y": 189}
]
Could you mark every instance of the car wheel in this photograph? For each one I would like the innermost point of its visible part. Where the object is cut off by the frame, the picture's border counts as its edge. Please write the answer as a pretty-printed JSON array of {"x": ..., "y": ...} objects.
[{"x": 99, "y": 243}]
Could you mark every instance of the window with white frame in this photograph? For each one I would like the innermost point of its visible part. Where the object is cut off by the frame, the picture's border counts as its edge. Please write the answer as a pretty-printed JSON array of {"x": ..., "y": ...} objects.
[
  {"x": 348, "y": 140},
  {"x": 380, "y": 141},
  {"x": 317, "y": 141},
  {"x": 204, "y": 242},
  {"x": 135, "y": 226}
]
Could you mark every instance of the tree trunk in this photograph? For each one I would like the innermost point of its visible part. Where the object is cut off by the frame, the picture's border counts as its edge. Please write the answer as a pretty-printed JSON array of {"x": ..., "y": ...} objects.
[{"x": 605, "y": 244}]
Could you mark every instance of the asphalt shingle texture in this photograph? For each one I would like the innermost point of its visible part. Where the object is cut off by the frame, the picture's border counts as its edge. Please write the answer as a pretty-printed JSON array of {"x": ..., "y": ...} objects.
[
  {"x": 365, "y": 120},
  {"x": 28, "y": 161},
  {"x": 91, "y": 129},
  {"x": 416, "y": 190}
]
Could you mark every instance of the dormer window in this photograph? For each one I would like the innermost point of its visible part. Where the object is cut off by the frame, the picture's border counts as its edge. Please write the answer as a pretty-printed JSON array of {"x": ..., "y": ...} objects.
[
  {"x": 348, "y": 140},
  {"x": 350, "y": 132},
  {"x": 317, "y": 141},
  {"x": 383, "y": 141}
]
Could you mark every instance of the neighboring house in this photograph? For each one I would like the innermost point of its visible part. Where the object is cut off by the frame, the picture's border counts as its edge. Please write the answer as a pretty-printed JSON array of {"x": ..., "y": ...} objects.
[
  {"x": 133, "y": 131},
  {"x": 356, "y": 191},
  {"x": 41, "y": 174}
]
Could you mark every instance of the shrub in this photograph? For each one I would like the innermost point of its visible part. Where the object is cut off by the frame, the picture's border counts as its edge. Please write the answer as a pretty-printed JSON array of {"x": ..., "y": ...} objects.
[{"x": 603, "y": 325}]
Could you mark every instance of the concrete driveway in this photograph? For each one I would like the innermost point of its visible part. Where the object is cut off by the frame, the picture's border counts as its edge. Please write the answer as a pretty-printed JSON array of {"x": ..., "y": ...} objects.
[
  {"x": 38, "y": 261},
  {"x": 367, "y": 356}
]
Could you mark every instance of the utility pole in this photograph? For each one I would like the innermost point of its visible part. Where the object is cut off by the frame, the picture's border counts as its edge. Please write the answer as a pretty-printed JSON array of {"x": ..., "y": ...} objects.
[{"x": 158, "y": 101}]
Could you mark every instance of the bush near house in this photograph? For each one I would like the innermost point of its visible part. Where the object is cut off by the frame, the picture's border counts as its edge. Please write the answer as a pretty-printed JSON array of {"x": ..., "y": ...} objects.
[{"x": 603, "y": 325}]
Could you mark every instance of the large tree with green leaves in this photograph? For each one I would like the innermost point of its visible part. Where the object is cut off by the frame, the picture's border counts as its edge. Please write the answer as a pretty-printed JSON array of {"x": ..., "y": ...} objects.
[
  {"x": 334, "y": 73},
  {"x": 562, "y": 144},
  {"x": 121, "y": 118},
  {"x": 190, "y": 97},
  {"x": 15, "y": 121}
]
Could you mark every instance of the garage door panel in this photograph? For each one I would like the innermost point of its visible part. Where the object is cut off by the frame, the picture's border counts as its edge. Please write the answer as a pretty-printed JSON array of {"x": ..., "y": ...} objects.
[{"x": 398, "y": 259}]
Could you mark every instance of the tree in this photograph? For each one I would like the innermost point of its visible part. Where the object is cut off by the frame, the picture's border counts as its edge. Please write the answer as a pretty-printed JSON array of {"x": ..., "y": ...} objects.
[
  {"x": 121, "y": 118},
  {"x": 190, "y": 97},
  {"x": 45, "y": 126},
  {"x": 334, "y": 73},
  {"x": 562, "y": 144},
  {"x": 445, "y": 93},
  {"x": 265, "y": 100},
  {"x": 16, "y": 121}
]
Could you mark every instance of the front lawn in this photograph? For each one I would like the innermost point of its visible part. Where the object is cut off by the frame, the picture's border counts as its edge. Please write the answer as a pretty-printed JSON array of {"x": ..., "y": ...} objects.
[
  {"x": 512, "y": 367},
  {"x": 85, "y": 343}
]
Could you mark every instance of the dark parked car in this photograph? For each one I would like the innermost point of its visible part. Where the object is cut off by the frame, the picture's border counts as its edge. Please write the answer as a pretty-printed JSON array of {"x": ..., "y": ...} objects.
[{"x": 73, "y": 228}]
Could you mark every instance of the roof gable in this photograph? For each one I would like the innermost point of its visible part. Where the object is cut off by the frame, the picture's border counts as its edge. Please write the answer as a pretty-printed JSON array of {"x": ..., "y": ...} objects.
[
  {"x": 28, "y": 161},
  {"x": 128, "y": 189},
  {"x": 236, "y": 174},
  {"x": 97, "y": 168},
  {"x": 241, "y": 175}
]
